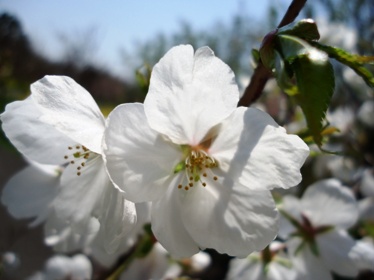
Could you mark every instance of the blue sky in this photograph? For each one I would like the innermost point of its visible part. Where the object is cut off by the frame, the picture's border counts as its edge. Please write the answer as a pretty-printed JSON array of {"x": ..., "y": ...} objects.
[{"x": 119, "y": 23}]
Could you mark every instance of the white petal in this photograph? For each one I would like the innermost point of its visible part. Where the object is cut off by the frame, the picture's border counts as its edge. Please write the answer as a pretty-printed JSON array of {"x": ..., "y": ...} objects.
[
  {"x": 35, "y": 139},
  {"x": 291, "y": 205},
  {"x": 367, "y": 182},
  {"x": 70, "y": 109},
  {"x": 234, "y": 221},
  {"x": 363, "y": 255},
  {"x": 327, "y": 202},
  {"x": 366, "y": 208},
  {"x": 257, "y": 153},
  {"x": 79, "y": 196},
  {"x": 278, "y": 271},
  {"x": 309, "y": 266},
  {"x": 29, "y": 193},
  {"x": 64, "y": 238},
  {"x": 81, "y": 267},
  {"x": 189, "y": 94},
  {"x": 139, "y": 160},
  {"x": 118, "y": 218},
  {"x": 168, "y": 228},
  {"x": 244, "y": 269},
  {"x": 335, "y": 248},
  {"x": 57, "y": 267}
]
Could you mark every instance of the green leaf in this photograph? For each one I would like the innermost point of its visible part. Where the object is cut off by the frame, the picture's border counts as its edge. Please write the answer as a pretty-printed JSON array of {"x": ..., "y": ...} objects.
[
  {"x": 351, "y": 60},
  {"x": 283, "y": 74},
  {"x": 256, "y": 55},
  {"x": 315, "y": 81},
  {"x": 305, "y": 29},
  {"x": 267, "y": 50},
  {"x": 292, "y": 47}
]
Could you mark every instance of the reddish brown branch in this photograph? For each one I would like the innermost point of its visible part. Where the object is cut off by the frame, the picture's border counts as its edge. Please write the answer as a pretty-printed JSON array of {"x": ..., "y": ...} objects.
[{"x": 261, "y": 73}]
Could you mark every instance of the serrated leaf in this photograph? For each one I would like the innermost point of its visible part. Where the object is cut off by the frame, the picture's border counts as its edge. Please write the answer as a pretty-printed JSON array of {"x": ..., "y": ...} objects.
[
  {"x": 305, "y": 29},
  {"x": 315, "y": 81},
  {"x": 355, "y": 62}
]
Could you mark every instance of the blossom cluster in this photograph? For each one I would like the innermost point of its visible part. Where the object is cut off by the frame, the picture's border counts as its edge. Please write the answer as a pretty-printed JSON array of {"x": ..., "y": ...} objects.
[{"x": 189, "y": 162}]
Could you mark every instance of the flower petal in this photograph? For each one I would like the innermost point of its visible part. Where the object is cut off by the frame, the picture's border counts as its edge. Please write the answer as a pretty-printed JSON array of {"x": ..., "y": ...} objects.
[
  {"x": 64, "y": 238},
  {"x": 29, "y": 194},
  {"x": 291, "y": 205},
  {"x": 327, "y": 202},
  {"x": 309, "y": 266},
  {"x": 80, "y": 196},
  {"x": 70, "y": 109},
  {"x": 248, "y": 268},
  {"x": 189, "y": 94},
  {"x": 140, "y": 162},
  {"x": 234, "y": 221},
  {"x": 335, "y": 248},
  {"x": 118, "y": 219},
  {"x": 255, "y": 152},
  {"x": 35, "y": 139},
  {"x": 168, "y": 228}
]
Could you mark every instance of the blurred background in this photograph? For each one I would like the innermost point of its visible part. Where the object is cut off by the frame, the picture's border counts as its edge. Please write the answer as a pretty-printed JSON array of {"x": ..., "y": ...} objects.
[{"x": 109, "y": 48}]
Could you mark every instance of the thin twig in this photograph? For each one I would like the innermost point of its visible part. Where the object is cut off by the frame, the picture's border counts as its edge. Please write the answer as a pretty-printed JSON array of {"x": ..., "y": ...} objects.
[{"x": 261, "y": 73}]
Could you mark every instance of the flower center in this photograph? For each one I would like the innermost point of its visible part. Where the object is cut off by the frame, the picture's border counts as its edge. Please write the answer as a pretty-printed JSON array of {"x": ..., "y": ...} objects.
[
  {"x": 80, "y": 156},
  {"x": 197, "y": 166}
]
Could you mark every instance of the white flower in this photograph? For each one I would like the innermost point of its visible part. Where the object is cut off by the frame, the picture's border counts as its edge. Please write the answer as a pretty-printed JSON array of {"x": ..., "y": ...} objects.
[
  {"x": 316, "y": 227},
  {"x": 206, "y": 165},
  {"x": 61, "y": 267},
  {"x": 270, "y": 264},
  {"x": 156, "y": 265},
  {"x": 31, "y": 191},
  {"x": 60, "y": 124}
]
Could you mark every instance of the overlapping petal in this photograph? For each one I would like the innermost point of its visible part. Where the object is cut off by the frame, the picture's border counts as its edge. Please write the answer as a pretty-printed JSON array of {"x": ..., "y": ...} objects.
[
  {"x": 335, "y": 248},
  {"x": 70, "y": 109},
  {"x": 30, "y": 193},
  {"x": 189, "y": 94},
  {"x": 256, "y": 152},
  {"x": 168, "y": 227},
  {"x": 233, "y": 220},
  {"x": 79, "y": 195},
  {"x": 35, "y": 139},
  {"x": 139, "y": 160},
  {"x": 308, "y": 265},
  {"x": 327, "y": 202}
]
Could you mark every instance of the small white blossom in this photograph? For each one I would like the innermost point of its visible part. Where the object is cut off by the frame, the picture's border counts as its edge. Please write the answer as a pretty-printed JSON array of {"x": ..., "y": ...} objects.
[
  {"x": 315, "y": 228},
  {"x": 60, "y": 267},
  {"x": 269, "y": 264}
]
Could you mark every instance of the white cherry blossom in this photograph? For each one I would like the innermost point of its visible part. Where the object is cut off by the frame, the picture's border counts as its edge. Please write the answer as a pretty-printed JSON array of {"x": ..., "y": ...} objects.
[
  {"x": 315, "y": 228},
  {"x": 60, "y": 124},
  {"x": 60, "y": 267},
  {"x": 270, "y": 264},
  {"x": 206, "y": 165}
]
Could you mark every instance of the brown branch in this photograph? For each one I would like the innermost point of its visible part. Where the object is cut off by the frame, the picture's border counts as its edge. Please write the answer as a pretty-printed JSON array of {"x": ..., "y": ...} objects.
[{"x": 261, "y": 73}]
